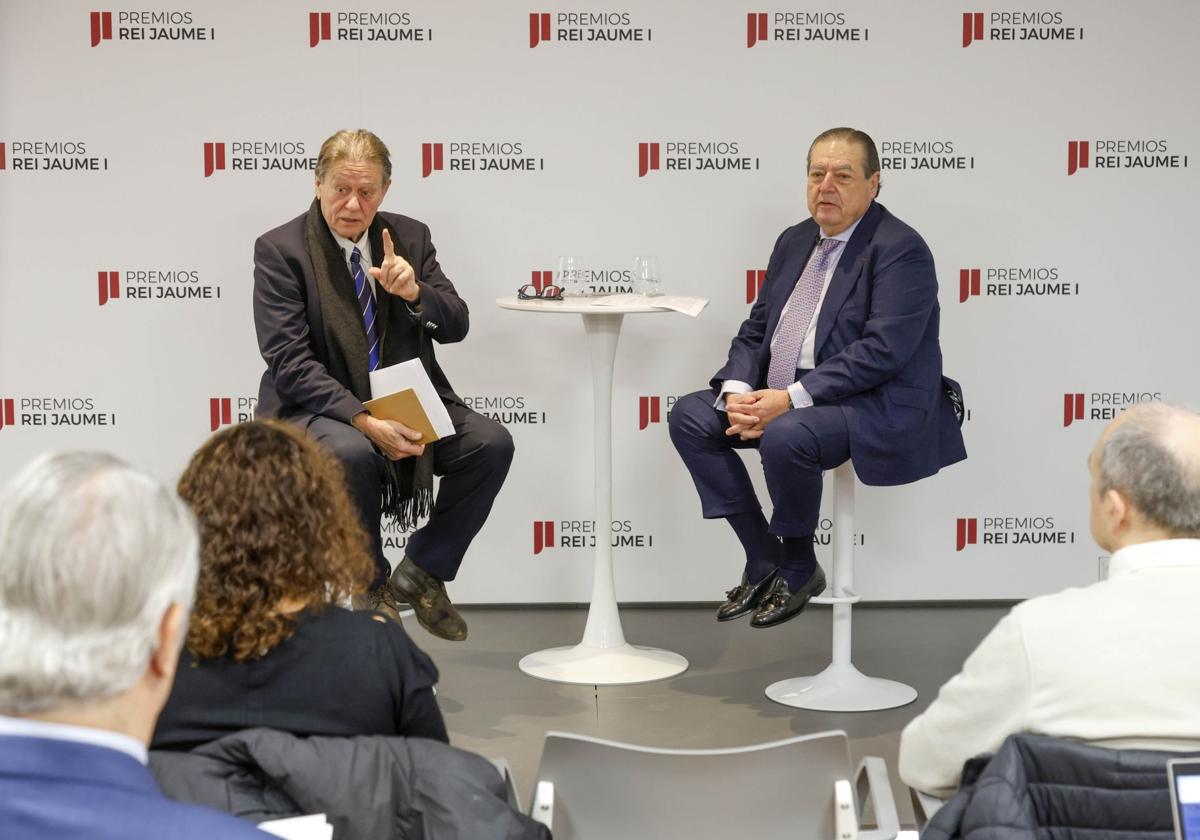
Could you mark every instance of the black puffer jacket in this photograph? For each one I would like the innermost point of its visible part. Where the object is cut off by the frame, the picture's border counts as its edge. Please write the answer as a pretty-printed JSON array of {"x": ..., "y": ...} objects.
[
  {"x": 369, "y": 787},
  {"x": 1041, "y": 788}
]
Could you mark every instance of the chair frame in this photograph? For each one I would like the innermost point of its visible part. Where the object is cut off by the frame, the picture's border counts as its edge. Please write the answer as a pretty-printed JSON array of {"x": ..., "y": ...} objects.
[{"x": 841, "y": 687}]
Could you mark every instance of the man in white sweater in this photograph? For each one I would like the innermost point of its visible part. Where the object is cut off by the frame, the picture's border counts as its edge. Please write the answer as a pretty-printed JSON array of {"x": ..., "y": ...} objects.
[{"x": 1116, "y": 663}]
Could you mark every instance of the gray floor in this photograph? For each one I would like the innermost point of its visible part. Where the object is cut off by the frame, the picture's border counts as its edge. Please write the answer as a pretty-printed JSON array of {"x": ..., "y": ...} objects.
[{"x": 494, "y": 709}]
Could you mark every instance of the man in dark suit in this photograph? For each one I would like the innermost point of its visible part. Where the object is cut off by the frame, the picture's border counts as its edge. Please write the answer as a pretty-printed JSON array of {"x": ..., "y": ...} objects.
[
  {"x": 87, "y": 659},
  {"x": 838, "y": 359},
  {"x": 342, "y": 290}
]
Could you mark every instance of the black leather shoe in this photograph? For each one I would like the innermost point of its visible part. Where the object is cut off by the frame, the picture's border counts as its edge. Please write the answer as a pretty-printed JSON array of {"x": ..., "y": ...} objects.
[
  {"x": 780, "y": 603},
  {"x": 743, "y": 598},
  {"x": 412, "y": 585}
]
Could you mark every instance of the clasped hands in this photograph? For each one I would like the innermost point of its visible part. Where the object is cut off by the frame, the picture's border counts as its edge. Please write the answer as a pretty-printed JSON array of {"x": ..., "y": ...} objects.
[
  {"x": 750, "y": 413},
  {"x": 395, "y": 274}
]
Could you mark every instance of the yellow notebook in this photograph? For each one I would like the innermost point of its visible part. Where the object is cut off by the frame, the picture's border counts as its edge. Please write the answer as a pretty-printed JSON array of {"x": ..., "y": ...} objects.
[{"x": 404, "y": 407}]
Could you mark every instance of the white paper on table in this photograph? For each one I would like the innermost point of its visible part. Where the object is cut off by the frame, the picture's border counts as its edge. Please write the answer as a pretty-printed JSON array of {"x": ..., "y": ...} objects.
[
  {"x": 676, "y": 303},
  {"x": 395, "y": 378},
  {"x": 310, "y": 827}
]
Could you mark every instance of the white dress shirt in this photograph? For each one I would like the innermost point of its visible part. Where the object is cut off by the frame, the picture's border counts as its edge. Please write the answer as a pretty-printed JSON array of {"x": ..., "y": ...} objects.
[
  {"x": 364, "y": 249},
  {"x": 808, "y": 350},
  {"x": 1115, "y": 664},
  {"x": 28, "y": 728}
]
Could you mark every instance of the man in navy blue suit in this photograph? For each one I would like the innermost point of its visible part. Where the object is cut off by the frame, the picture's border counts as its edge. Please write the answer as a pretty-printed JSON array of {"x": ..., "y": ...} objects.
[
  {"x": 838, "y": 359},
  {"x": 97, "y": 570}
]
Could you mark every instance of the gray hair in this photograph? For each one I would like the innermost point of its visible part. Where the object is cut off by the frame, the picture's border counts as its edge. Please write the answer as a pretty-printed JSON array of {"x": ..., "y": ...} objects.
[
  {"x": 92, "y": 554},
  {"x": 1153, "y": 459},
  {"x": 358, "y": 145}
]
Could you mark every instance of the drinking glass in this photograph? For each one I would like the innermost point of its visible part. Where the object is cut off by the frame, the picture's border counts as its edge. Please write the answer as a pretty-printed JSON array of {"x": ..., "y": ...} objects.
[
  {"x": 646, "y": 277},
  {"x": 573, "y": 277}
]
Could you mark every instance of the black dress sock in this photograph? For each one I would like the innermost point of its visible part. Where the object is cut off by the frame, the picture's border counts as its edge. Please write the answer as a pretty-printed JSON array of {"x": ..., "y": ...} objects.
[
  {"x": 799, "y": 561},
  {"x": 762, "y": 550}
]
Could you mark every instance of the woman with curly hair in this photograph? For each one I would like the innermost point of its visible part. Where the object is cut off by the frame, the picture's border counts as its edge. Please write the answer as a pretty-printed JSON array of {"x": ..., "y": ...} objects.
[{"x": 267, "y": 643}]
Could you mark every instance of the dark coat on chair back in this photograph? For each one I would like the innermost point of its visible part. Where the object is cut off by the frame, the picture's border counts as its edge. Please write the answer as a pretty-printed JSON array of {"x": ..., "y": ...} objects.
[
  {"x": 369, "y": 787},
  {"x": 1041, "y": 788}
]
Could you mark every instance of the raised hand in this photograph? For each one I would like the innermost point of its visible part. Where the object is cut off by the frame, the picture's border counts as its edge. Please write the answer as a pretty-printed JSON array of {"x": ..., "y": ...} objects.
[{"x": 395, "y": 274}]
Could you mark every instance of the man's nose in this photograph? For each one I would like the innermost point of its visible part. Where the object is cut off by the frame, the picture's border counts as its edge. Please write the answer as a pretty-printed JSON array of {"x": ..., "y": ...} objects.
[{"x": 352, "y": 203}]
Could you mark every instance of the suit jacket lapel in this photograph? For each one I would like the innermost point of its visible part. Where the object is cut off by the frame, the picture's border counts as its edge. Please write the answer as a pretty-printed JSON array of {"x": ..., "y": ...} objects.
[
  {"x": 846, "y": 274},
  {"x": 789, "y": 273}
]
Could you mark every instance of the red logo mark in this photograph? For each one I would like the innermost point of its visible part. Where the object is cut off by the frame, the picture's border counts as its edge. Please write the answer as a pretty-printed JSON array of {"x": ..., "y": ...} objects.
[
  {"x": 649, "y": 411},
  {"x": 1077, "y": 155},
  {"x": 648, "y": 159},
  {"x": 431, "y": 158},
  {"x": 968, "y": 283},
  {"x": 539, "y": 28},
  {"x": 756, "y": 28},
  {"x": 1072, "y": 408},
  {"x": 101, "y": 27},
  {"x": 109, "y": 283},
  {"x": 543, "y": 535},
  {"x": 541, "y": 279},
  {"x": 220, "y": 413},
  {"x": 3, "y": 159},
  {"x": 972, "y": 27},
  {"x": 318, "y": 27},
  {"x": 214, "y": 158},
  {"x": 7, "y": 416},
  {"x": 967, "y": 533},
  {"x": 754, "y": 282}
]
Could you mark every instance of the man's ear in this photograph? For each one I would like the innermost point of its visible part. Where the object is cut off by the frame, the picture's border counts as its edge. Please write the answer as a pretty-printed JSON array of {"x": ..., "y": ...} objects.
[
  {"x": 386, "y": 184},
  {"x": 1116, "y": 511},
  {"x": 171, "y": 630},
  {"x": 317, "y": 187}
]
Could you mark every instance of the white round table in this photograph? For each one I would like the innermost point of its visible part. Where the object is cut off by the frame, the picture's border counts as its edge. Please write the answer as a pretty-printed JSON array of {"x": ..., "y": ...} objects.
[{"x": 603, "y": 657}]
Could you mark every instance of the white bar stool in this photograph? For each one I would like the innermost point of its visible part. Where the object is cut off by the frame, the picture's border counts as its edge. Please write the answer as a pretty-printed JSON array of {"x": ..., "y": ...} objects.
[{"x": 841, "y": 687}]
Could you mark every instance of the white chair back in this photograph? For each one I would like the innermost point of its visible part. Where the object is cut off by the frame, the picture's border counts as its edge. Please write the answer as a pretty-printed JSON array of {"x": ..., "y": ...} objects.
[{"x": 592, "y": 789}]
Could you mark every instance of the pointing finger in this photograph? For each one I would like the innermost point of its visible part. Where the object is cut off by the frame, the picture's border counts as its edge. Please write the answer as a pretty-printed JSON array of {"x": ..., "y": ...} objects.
[{"x": 389, "y": 250}]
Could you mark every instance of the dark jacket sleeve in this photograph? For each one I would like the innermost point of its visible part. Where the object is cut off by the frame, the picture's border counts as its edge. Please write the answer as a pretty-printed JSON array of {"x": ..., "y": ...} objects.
[
  {"x": 442, "y": 313},
  {"x": 745, "y": 350},
  {"x": 281, "y": 323}
]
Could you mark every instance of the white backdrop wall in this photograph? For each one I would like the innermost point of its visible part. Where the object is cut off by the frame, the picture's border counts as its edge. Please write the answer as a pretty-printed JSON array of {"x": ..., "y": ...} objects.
[{"x": 125, "y": 249}]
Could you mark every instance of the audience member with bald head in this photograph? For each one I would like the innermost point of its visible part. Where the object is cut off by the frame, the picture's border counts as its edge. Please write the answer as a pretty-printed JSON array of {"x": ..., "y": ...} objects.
[
  {"x": 1115, "y": 663},
  {"x": 97, "y": 571}
]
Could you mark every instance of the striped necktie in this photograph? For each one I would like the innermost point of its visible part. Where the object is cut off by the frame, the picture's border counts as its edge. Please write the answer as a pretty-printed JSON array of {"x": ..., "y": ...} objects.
[
  {"x": 366, "y": 304},
  {"x": 793, "y": 326}
]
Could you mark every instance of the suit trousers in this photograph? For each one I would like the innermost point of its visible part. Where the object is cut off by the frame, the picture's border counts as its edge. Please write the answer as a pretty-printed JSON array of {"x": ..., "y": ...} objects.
[
  {"x": 472, "y": 465},
  {"x": 795, "y": 448}
]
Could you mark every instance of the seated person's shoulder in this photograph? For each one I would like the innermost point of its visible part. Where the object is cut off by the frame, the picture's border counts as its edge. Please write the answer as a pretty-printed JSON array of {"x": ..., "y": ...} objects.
[
  {"x": 184, "y": 821},
  {"x": 1049, "y": 609},
  {"x": 364, "y": 627}
]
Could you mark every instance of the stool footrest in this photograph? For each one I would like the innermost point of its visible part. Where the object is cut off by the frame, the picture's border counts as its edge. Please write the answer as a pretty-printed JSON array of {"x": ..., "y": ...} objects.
[{"x": 849, "y": 597}]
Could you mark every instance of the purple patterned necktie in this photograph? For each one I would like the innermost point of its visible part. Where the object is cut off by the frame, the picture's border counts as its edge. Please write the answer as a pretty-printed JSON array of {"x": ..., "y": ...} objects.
[{"x": 793, "y": 326}]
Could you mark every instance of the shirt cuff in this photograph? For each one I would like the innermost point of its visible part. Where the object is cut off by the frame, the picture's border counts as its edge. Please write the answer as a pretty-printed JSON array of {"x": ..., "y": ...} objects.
[
  {"x": 731, "y": 386},
  {"x": 800, "y": 397}
]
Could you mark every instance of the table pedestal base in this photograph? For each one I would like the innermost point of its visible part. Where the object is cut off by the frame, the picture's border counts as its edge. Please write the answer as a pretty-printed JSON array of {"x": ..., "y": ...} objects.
[
  {"x": 621, "y": 665},
  {"x": 841, "y": 688}
]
